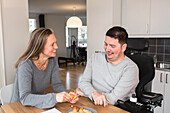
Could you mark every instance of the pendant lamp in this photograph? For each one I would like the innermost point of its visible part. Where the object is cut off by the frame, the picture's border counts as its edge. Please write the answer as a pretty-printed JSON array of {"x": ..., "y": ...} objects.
[{"x": 74, "y": 21}]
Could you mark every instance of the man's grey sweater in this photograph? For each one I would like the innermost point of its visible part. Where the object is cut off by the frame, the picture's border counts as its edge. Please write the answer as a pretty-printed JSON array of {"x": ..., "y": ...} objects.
[
  {"x": 30, "y": 84},
  {"x": 114, "y": 81}
]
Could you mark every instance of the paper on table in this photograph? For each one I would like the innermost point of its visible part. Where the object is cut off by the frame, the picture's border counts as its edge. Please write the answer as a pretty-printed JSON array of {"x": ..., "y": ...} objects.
[{"x": 54, "y": 110}]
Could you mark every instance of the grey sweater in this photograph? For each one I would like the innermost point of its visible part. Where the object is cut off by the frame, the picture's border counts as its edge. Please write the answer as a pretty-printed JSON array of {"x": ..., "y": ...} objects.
[
  {"x": 114, "y": 81},
  {"x": 30, "y": 84}
]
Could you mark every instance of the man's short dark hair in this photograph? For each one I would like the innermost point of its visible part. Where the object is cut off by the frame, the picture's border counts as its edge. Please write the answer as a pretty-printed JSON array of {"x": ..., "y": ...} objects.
[{"x": 119, "y": 33}]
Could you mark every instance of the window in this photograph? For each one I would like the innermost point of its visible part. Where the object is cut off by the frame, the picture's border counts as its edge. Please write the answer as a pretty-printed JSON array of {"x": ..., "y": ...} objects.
[
  {"x": 79, "y": 35},
  {"x": 32, "y": 25},
  {"x": 82, "y": 36}
]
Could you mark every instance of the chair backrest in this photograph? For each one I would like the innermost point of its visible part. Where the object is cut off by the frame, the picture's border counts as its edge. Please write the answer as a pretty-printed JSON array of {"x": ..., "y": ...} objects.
[
  {"x": 146, "y": 71},
  {"x": 6, "y": 94},
  {"x": 137, "y": 45}
]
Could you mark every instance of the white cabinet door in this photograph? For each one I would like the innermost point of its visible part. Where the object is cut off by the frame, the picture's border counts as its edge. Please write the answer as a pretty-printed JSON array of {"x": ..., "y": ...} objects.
[
  {"x": 135, "y": 16},
  {"x": 161, "y": 84},
  {"x": 158, "y": 87},
  {"x": 146, "y": 18},
  {"x": 167, "y": 93},
  {"x": 158, "y": 82},
  {"x": 160, "y": 23}
]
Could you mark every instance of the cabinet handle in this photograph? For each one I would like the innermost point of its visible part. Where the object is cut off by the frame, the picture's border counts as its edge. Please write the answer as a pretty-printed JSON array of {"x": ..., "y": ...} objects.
[
  {"x": 161, "y": 77},
  {"x": 166, "y": 78},
  {"x": 147, "y": 28}
]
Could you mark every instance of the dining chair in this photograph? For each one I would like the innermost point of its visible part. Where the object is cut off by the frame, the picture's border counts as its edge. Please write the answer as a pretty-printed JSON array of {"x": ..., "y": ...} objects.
[{"x": 6, "y": 94}]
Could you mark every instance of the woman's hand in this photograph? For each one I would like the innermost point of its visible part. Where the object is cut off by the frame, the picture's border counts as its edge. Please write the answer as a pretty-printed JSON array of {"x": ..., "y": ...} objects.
[
  {"x": 79, "y": 92},
  {"x": 74, "y": 97},
  {"x": 63, "y": 97}
]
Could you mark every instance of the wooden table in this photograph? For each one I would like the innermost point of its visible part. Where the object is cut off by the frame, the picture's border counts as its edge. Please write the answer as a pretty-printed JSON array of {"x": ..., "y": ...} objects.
[
  {"x": 1, "y": 111},
  {"x": 17, "y": 107}
]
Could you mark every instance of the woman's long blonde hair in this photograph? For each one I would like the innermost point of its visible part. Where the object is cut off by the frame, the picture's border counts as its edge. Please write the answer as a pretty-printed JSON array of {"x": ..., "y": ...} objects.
[{"x": 36, "y": 44}]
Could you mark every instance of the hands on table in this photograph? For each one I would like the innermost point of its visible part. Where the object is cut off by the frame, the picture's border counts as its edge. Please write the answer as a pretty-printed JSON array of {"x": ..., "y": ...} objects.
[
  {"x": 79, "y": 92},
  {"x": 67, "y": 97},
  {"x": 99, "y": 99}
]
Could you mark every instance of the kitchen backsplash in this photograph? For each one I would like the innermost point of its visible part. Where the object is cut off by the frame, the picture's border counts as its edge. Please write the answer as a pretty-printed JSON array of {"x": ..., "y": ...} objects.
[{"x": 159, "y": 49}]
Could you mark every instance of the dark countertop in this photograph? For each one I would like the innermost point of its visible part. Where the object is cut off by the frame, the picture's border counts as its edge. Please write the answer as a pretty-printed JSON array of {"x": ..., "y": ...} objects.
[{"x": 162, "y": 69}]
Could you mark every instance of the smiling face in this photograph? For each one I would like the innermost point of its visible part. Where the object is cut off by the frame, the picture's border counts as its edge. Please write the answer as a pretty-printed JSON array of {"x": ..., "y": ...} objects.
[
  {"x": 114, "y": 50},
  {"x": 50, "y": 47}
]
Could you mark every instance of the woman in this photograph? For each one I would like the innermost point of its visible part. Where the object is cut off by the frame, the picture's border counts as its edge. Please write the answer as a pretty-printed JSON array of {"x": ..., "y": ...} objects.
[{"x": 35, "y": 68}]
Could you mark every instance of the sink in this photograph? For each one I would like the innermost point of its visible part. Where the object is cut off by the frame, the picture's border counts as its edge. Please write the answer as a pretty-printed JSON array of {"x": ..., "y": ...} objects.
[{"x": 163, "y": 65}]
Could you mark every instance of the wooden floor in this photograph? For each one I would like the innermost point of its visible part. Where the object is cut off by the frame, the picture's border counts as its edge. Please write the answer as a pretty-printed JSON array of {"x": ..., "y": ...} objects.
[{"x": 70, "y": 76}]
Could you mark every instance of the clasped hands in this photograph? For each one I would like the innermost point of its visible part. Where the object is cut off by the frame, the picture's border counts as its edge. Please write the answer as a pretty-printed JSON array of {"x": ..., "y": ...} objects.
[{"x": 67, "y": 97}]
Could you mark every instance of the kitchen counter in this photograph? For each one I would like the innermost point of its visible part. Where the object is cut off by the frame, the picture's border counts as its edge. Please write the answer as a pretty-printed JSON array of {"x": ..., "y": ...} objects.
[{"x": 162, "y": 69}]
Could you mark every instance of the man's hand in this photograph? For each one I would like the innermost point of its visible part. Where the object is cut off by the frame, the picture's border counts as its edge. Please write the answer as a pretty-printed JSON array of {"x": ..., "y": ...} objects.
[
  {"x": 79, "y": 92},
  {"x": 99, "y": 99}
]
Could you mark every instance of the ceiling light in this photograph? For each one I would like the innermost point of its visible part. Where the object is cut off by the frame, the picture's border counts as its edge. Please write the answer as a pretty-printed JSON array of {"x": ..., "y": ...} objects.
[{"x": 74, "y": 21}]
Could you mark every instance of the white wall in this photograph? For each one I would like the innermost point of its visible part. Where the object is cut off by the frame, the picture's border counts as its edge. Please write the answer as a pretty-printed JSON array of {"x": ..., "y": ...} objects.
[
  {"x": 2, "y": 65},
  {"x": 101, "y": 15},
  {"x": 15, "y": 30},
  {"x": 57, "y": 23}
]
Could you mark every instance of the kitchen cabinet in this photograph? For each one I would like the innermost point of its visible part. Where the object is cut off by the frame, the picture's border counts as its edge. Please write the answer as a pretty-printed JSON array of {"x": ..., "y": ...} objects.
[
  {"x": 160, "y": 23},
  {"x": 161, "y": 84},
  {"x": 146, "y": 18},
  {"x": 135, "y": 16}
]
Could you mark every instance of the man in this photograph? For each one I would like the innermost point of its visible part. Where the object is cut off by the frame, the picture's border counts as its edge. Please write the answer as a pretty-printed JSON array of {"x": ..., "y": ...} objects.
[{"x": 111, "y": 75}]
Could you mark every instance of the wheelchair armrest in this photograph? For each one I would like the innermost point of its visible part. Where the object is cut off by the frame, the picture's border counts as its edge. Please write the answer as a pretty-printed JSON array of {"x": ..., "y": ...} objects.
[
  {"x": 151, "y": 98},
  {"x": 132, "y": 107},
  {"x": 151, "y": 95}
]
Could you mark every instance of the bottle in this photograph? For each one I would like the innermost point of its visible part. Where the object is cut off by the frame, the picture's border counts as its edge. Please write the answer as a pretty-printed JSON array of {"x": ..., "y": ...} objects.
[
  {"x": 155, "y": 60},
  {"x": 133, "y": 98}
]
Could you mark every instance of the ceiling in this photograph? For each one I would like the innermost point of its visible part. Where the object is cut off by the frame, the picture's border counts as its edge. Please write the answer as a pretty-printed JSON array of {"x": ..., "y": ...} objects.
[{"x": 60, "y": 7}]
